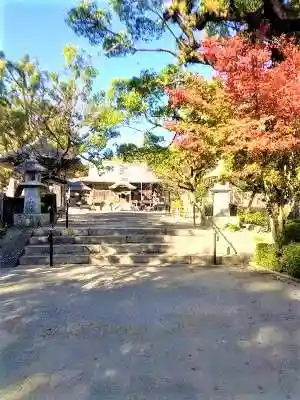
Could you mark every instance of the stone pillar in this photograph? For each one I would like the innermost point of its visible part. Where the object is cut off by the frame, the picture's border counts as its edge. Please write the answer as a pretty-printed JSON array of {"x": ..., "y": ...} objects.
[{"x": 221, "y": 200}]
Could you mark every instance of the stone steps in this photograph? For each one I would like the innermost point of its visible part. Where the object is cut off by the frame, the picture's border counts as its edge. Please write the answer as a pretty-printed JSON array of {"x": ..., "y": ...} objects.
[
  {"x": 155, "y": 259},
  {"x": 109, "y": 232},
  {"x": 110, "y": 249},
  {"x": 122, "y": 245},
  {"x": 122, "y": 250},
  {"x": 114, "y": 240},
  {"x": 133, "y": 260},
  {"x": 58, "y": 259},
  {"x": 40, "y": 250},
  {"x": 117, "y": 243}
]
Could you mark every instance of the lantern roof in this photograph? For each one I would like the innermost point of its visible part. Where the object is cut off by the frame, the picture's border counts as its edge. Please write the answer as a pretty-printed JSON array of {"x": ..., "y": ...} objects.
[{"x": 31, "y": 165}]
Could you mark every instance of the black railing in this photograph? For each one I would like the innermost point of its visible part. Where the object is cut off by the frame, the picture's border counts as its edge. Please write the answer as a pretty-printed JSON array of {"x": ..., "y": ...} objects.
[
  {"x": 54, "y": 219},
  {"x": 67, "y": 214}
]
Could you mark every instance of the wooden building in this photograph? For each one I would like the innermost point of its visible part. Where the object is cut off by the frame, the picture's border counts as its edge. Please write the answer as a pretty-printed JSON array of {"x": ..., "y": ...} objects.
[{"x": 122, "y": 186}]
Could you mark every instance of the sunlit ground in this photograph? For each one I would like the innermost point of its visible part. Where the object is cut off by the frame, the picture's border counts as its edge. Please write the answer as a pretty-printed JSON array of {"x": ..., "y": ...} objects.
[{"x": 88, "y": 332}]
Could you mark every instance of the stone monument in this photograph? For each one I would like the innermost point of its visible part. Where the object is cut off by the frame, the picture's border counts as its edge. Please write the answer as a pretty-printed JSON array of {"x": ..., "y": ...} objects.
[
  {"x": 221, "y": 202},
  {"x": 31, "y": 186}
]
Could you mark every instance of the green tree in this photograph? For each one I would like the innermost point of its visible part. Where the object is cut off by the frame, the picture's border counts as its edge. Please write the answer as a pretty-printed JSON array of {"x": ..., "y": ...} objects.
[
  {"x": 60, "y": 107},
  {"x": 179, "y": 170},
  {"x": 183, "y": 20},
  {"x": 143, "y": 100},
  {"x": 5, "y": 175}
]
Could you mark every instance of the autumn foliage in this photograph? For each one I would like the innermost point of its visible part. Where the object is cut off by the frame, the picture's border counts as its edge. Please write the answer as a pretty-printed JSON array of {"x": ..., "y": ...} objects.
[
  {"x": 203, "y": 109},
  {"x": 265, "y": 96},
  {"x": 251, "y": 117}
]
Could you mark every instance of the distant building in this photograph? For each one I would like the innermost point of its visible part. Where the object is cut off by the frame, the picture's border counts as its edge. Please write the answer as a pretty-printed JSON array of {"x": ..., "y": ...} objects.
[{"x": 120, "y": 185}]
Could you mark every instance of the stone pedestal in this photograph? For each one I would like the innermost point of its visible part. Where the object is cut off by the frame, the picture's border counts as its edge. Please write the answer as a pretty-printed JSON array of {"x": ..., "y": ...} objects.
[{"x": 31, "y": 220}]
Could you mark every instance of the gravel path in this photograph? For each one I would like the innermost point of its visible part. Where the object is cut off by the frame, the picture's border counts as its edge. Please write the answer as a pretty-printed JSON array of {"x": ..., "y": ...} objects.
[{"x": 90, "y": 333}]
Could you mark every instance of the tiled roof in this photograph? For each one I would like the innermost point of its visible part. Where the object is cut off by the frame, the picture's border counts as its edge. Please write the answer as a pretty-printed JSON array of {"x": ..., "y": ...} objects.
[{"x": 116, "y": 172}]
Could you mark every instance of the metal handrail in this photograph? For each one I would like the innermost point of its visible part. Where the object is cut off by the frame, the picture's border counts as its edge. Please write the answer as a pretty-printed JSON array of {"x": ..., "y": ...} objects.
[
  {"x": 217, "y": 230},
  {"x": 50, "y": 238}
]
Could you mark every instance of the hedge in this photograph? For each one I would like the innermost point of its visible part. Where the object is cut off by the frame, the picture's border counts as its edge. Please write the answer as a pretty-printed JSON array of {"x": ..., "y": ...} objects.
[
  {"x": 292, "y": 232},
  {"x": 289, "y": 263},
  {"x": 265, "y": 256}
]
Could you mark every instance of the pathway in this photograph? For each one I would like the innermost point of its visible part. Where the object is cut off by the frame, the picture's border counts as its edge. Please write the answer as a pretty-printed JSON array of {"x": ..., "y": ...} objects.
[{"x": 90, "y": 333}]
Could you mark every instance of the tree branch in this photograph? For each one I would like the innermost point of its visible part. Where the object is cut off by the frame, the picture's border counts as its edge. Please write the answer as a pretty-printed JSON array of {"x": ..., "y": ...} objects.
[
  {"x": 155, "y": 124},
  {"x": 165, "y": 24},
  {"x": 185, "y": 187},
  {"x": 157, "y": 50}
]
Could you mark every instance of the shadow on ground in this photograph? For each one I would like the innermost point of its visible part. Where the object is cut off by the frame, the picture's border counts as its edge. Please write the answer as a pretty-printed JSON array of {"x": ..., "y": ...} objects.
[{"x": 90, "y": 332}]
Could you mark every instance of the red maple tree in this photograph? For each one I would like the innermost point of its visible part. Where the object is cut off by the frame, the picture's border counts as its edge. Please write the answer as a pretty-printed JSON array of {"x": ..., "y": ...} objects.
[
  {"x": 266, "y": 93},
  {"x": 262, "y": 132}
]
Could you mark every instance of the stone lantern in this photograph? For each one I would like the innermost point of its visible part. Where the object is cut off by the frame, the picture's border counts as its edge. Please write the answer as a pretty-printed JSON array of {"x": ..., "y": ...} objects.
[{"x": 31, "y": 186}]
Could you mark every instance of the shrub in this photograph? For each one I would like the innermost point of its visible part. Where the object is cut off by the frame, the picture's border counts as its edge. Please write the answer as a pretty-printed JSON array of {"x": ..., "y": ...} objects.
[
  {"x": 259, "y": 218},
  {"x": 289, "y": 264},
  {"x": 176, "y": 204},
  {"x": 233, "y": 227},
  {"x": 290, "y": 261},
  {"x": 291, "y": 232},
  {"x": 265, "y": 256}
]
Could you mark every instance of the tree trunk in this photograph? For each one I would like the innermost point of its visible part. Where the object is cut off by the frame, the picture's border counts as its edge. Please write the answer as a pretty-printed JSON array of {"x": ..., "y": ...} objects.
[
  {"x": 194, "y": 214},
  {"x": 251, "y": 201},
  {"x": 277, "y": 227}
]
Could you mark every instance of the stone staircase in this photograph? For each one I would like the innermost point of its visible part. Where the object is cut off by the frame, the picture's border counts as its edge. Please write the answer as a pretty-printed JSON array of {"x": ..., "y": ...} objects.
[
  {"x": 129, "y": 243},
  {"x": 126, "y": 246}
]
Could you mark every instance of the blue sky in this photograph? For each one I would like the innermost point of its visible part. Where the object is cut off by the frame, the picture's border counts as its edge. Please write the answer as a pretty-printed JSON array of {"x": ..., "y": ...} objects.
[{"x": 38, "y": 28}]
